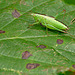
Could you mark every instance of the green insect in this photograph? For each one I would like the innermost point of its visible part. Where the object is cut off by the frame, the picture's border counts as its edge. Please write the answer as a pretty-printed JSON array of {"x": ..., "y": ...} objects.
[{"x": 50, "y": 22}]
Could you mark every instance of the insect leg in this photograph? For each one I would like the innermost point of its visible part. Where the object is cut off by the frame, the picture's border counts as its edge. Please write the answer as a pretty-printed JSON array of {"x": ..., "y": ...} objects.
[
  {"x": 33, "y": 24},
  {"x": 61, "y": 14},
  {"x": 47, "y": 31}
]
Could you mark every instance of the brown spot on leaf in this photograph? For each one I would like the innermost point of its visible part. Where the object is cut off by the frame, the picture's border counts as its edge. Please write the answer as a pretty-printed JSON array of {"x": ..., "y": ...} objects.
[
  {"x": 32, "y": 66},
  {"x": 16, "y": 14},
  {"x": 41, "y": 46},
  {"x": 32, "y": 1},
  {"x": 59, "y": 41},
  {"x": 64, "y": 10},
  {"x": 73, "y": 66},
  {"x": 2, "y": 31},
  {"x": 26, "y": 54}
]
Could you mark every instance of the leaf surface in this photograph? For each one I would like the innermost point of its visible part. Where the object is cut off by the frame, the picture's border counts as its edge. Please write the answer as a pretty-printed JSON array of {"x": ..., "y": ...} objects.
[{"x": 19, "y": 37}]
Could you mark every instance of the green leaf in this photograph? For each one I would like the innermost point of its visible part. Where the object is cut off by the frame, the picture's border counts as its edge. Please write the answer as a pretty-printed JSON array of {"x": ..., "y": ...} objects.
[
  {"x": 6, "y": 72},
  {"x": 19, "y": 37}
]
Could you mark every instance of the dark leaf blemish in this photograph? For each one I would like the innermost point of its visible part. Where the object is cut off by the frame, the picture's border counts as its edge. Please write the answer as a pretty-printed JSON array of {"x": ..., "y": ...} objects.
[
  {"x": 2, "y": 31},
  {"x": 73, "y": 66},
  {"x": 41, "y": 46},
  {"x": 64, "y": 10},
  {"x": 16, "y": 14},
  {"x": 26, "y": 54},
  {"x": 32, "y": 66},
  {"x": 59, "y": 41}
]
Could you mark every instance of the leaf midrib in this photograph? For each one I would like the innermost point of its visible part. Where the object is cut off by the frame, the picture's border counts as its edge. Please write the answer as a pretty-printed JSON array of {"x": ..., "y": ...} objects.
[{"x": 30, "y": 37}]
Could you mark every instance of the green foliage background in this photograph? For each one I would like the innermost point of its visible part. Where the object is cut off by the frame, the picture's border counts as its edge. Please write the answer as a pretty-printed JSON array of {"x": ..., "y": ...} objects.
[{"x": 19, "y": 38}]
